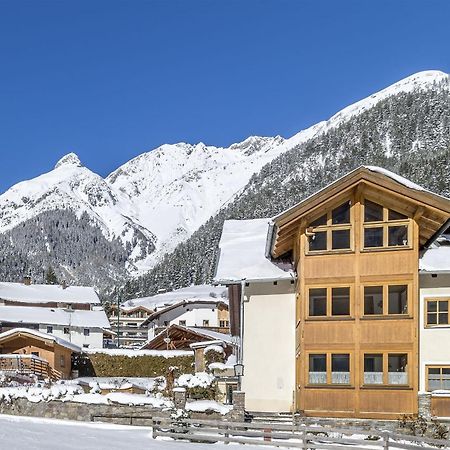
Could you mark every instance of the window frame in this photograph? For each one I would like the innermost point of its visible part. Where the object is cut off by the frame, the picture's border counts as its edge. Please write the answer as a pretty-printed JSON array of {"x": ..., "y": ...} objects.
[
  {"x": 385, "y": 224},
  {"x": 385, "y": 312},
  {"x": 329, "y": 227},
  {"x": 427, "y": 300},
  {"x": 427, "y": 374},
  {"x": 329, "y": 302},
  {"x": 328, "y": 362},
  {"x": 385, "y": 355}
]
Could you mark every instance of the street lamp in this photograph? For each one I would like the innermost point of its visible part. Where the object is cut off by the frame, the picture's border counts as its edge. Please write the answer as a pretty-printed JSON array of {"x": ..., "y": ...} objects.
[{"x": 239, "y": 370}]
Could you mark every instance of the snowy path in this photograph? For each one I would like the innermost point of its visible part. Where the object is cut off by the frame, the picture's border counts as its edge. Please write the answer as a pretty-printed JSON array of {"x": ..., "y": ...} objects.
[{"x": 31, "y": 433}]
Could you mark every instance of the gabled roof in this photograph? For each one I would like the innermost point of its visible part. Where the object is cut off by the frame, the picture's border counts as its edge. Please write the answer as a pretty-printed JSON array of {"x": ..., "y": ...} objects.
[
  {"x": 182, "y": 337},
  {"x": 46, "y": 293},
  {"x": 243, "y": 254},
  {"x": 432, "y": 210},
  {"x": 26, "y": 332},
  {"x": 213, "y": 303}
]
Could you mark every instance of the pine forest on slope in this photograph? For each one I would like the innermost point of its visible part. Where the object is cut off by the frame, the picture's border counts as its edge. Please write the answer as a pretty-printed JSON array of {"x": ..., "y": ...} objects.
[{"x": 164, "y": 209}]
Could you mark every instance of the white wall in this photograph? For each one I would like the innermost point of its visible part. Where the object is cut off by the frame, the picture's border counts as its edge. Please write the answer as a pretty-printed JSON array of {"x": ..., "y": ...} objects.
[
  {"x": 76, "y": 336},
  {"x": 434, "y": 342},
  {"x": 269, "y": 347}
]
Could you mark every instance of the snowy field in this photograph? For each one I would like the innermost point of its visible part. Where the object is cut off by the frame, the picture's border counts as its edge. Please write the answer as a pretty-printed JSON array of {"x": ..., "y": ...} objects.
[{"x": 18, "y": 433}]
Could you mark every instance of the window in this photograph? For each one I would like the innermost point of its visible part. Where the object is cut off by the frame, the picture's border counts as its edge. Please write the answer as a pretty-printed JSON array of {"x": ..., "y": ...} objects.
[
  {"x": 62, "y": 361},
  {"x": 331, "y": 231},
  {"x": 318, "y": 302},
  {"x": 333, "y": 301},
  {"x": 373, "y": 369},
  {"x": 35, "y": 354},
  {"x": 329, "y": 368},
  {"x": 182, "y": 323},
  {"x": 86, "y": 332},
  {"x": 383, "y": 300},
  {"x": 384, "y": 227},
  {"x": 340, "y": 369},
  {"x": 340, "y": 301},
  {"x": 223, "y": 323},
  {"x": 386, "y": 368},
  {"x": 49, "y": 329},
  {"x": 318, "y": 369},
  {"x": 438, "y": 378},
  {"x": 66, "y": 330},
  {"x": 398, "y": 299},
  {"x": 437, "y": 312},
  {"x": 206, "y": 323}
]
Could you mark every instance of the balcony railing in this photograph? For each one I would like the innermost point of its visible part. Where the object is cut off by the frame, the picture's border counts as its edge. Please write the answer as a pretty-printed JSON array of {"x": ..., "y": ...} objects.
[{"x": 28, "y": 365}]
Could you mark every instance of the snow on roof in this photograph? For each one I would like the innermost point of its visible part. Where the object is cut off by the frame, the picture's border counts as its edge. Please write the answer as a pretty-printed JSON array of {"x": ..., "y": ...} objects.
[
  {"x": 43, "y": 293},
  {"x": 40, "y": 335},
  {"x": 243, "y": 253},
  {"x": 212, "y": 334},
  {"x": 200, "y": 292},
  {"x": 54, "y": 316},
  {"x": 435, "y": 259}
]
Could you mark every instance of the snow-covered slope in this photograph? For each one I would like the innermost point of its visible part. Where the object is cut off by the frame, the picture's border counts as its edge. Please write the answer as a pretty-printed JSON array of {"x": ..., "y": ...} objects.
[{"x": 158, "y": 199}]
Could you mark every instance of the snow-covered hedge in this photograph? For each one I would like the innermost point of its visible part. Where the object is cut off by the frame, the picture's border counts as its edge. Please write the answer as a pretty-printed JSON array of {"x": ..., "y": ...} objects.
[{"x": 198, "y": 386}]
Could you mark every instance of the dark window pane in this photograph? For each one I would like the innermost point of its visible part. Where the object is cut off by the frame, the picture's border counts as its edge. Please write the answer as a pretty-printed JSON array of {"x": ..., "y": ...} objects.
[
  {"x": 443, "y": 306},
  {"x": 443, "y": 318},
  {"x": 394, "y": 215},
  {"x": 318, "y": 241},
  {"x": 398, "y": 299},
  {"x": 432, "y": 306},
  {"x": 340, "y": 239},
  {"x": 373, "y": 363},
  {"x": 434, "y": 371},
  {"x": 397, "y": 368},
  {"x": 431, "y": 319},
  {"x": 372, "y": 212},
  {"x": 318, "y": 302},
  {"x": 340, "y": 301},
  {"x": 445, "y": 370},
  {"x": 373, "y": 300},
  {"x": 318, "y": 363},
  {"x": 398, "y": 236},
  {"x": 340, "y": 363},
  {"x": 373, "y": 237},
  {"x": 322, "y": 220},
  {"x": 341, "y": 214}
]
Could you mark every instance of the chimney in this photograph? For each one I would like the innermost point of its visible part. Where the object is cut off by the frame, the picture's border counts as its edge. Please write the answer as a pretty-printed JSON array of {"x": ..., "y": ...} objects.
[{"x": 27, "y": 280}]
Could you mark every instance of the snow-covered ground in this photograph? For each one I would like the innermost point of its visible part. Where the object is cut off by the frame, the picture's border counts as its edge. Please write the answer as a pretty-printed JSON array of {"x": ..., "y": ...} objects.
[{"x": 18, "y": 433}]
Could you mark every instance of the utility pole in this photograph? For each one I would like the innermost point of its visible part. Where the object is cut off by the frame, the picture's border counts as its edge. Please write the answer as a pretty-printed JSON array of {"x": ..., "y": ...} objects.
[{"x": 118, "y": 320}]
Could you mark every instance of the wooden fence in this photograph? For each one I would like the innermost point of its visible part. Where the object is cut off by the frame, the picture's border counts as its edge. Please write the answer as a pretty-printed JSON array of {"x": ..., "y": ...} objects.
[
  {"x": 27, "y": 365},
  {"x": 286, "y": 435}
]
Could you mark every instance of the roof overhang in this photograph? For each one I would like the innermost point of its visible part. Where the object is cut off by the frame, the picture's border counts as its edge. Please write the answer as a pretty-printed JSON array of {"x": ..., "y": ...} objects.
[{"x": 434, "y": 210}]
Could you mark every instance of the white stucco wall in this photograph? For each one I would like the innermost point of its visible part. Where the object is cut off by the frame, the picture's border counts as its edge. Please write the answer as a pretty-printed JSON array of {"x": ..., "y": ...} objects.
[
  {"x": 76, "y": 336},
  {"x": 269, "y": 347},
  {"x": 434, "y": 342}
]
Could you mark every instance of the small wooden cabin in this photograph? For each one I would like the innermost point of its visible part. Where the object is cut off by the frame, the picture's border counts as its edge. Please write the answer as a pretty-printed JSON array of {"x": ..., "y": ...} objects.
[{"x": 28, "y": 351}]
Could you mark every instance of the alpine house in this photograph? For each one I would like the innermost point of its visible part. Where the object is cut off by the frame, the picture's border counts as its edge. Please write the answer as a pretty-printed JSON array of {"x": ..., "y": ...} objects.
[{"x": 324, "y": 297}]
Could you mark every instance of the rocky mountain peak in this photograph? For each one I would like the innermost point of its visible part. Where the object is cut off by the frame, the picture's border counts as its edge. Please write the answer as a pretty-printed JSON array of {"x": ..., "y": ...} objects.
[{"x": 71, "y": 159}]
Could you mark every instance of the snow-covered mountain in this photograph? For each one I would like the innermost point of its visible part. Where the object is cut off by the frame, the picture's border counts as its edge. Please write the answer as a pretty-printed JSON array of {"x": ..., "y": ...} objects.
[{"x": 160, "y": 198}]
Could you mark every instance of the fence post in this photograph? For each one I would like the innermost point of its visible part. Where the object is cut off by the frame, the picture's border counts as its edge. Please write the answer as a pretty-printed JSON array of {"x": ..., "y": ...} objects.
[
  {"x": 179, "y": 398},
  {"x": 385, "y": 441}
]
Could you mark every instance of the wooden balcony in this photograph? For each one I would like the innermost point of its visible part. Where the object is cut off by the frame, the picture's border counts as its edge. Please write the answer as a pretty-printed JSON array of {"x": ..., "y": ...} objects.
[{"x": 28, "y": 365}]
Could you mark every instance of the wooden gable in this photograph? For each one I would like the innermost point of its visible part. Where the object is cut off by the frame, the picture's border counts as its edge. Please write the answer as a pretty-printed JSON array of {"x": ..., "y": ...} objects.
[{"x": 429, "y": 210}]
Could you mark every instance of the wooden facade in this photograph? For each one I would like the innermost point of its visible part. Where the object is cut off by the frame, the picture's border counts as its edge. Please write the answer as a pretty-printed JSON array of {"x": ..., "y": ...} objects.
[{"x": 356, "y": 247}]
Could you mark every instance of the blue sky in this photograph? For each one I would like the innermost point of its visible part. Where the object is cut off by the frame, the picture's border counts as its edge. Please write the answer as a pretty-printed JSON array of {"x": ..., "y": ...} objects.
[{"x": 112, "y": 79}]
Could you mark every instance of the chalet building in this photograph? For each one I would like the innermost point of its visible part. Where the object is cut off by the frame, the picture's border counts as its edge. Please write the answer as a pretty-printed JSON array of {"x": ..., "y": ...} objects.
[
  {"x": 332, "y": 288},
  {"x": 71, "y": 313},
  {"x": 207, "y": 314},
  {"x": 128, "y": 324},
  {"x": 30, "y": 352}
]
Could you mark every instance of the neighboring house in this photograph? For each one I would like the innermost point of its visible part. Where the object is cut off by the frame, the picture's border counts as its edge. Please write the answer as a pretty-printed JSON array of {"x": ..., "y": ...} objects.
[
  {"x": 201, "y": 306},
  {"x": 434, "y": 317},
  {"x": 177, "y": 337},
  {"x": 27, "y": 351},
  {"x": 339, "y": 324},
  {"x": 128, "y": 325},
  {"x": 80, "y": 327},
  {"x": 72, "y": 313},
  {"x": 47, "y": 295},
  {"x": 209, "y": 314}
]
